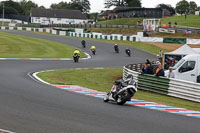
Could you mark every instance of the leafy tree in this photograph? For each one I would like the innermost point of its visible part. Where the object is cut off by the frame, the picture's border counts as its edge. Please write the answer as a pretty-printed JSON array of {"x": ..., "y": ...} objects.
[
  {"x": 82, "y": 5},
  {"x": 193, "y": 7},
  {"x": 109, "y": 3},
  {"x": 182, "y": 6},
  {"x": 167, "y": 7},
  {"x": 61, "y": 5},
  {"x": 10, "y": 7},
  {"x": 133, "y": 3},
  {"x": 27, "y": 7},
  {"x": 127, "y": 3},
  {"x": 42, "y": 7},
  {"x": 198, "y": 8}
]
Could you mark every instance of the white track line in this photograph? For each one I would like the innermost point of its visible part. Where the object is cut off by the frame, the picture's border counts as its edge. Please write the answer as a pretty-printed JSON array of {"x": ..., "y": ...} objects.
[{"x": 6, "y": 131}]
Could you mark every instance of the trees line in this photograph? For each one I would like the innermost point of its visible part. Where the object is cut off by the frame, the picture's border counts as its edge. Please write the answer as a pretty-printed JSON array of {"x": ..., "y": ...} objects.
[{"x": 23, "y": 7}]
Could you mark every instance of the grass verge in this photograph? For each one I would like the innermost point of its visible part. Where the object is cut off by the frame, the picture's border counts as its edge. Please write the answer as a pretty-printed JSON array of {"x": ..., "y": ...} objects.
[
  {"x": 123, "y": 31},
  {"x": 102, "y": 80},
  {"x": 122, "y": 21},
  {"x": 16, "y": 46}
]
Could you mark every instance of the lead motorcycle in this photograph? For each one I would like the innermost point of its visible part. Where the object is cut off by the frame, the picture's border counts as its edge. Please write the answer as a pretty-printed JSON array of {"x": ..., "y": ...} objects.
[
  {"x": 122, "y": 91},
  {"x": 76, "y": 57}
]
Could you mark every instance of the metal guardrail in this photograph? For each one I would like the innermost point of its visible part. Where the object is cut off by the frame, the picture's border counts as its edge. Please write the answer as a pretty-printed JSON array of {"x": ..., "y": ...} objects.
[{"x": 171, "y": 87}]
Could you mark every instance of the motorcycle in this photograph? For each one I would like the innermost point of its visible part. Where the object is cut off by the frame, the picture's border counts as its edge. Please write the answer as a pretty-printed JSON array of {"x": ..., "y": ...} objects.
[
  {"x": 122, "y": 91},
  {"x": 93, "y": 51},
  {"x": 83, "y": 43},
  {"x": 76, "y": 57},
  {"x": 116, "y": 49},
  {"x": 128, "y": 52}
]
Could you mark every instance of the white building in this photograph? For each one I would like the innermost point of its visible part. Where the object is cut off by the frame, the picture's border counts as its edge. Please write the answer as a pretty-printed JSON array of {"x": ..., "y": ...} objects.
[
  {"x": 57, "y": 16},
  {"x": 197, "y": 13}
]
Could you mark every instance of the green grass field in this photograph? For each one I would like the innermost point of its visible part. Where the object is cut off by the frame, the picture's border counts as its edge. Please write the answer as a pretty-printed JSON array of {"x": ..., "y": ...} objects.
[
  {"x": 102, "y": 80},
  {"x": 15, "y": 46},
  {"x": 123, "y": 31},
  {"x": 191, "y": 21},
  {"x": 122, "y": 21}
]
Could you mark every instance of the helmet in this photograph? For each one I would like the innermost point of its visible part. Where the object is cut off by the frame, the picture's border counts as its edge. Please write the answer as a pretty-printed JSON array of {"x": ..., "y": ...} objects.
[
  {"x": 129, "y": 77},
  {"x": 115, "y": 44}
]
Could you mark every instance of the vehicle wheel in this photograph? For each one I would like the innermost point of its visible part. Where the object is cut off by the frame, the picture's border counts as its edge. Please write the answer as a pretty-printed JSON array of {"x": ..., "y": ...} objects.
[
  {"x": 106, "y": 99},
  {"x": 121, "y": 101}
]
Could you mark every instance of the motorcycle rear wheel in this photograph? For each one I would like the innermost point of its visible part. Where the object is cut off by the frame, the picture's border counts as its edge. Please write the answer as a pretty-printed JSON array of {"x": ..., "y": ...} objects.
[{"x": 122, "y": 100}]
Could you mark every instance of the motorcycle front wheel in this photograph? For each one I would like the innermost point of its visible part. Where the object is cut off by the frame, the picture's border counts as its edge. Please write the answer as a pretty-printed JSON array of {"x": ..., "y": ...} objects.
[{"x": 106, "y": 98}]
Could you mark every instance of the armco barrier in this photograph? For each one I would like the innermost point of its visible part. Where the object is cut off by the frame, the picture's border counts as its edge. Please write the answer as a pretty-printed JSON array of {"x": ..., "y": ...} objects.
[{"x": 171, "y": 87}]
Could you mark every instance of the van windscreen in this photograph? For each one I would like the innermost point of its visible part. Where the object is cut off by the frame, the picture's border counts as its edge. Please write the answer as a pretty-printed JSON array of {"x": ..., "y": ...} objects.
[{"x": 178, "y": 64}]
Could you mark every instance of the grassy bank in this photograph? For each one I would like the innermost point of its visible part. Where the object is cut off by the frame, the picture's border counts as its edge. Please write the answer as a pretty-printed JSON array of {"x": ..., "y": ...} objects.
[
  {"x": 102, "y": 80},
  {"x": 190, "y": 21},
  {"x": 16, "y": 46},
  {"x": 123, "y": 31},
  {"x": 122, "y": 21}
]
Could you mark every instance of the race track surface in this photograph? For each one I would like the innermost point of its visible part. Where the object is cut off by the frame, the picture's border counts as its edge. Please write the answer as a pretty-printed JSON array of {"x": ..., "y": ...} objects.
[{"x": 28, "y": 106}]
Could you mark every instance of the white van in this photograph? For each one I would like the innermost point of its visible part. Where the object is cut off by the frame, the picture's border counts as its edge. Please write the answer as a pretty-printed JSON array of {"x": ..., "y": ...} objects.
[{"x": 188, "y": 68}]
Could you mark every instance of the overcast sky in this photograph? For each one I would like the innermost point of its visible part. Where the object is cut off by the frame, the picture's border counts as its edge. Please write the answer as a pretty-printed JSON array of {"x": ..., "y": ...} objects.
[{"x": 98, "y": 5}]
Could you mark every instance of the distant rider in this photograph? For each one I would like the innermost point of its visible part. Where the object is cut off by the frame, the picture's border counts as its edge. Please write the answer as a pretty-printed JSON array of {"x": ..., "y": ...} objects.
[
  {"x": 93, "y": 47},
  {"x": 77, "y": 52},
  {"x": 83, "y": 43},
  {"x": 116, "y": 48},
  {"x": 128, "y": 51}
]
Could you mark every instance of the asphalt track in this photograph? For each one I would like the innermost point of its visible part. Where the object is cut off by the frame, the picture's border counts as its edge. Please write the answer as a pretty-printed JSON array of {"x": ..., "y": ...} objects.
[{"x": 28, "y": 106}]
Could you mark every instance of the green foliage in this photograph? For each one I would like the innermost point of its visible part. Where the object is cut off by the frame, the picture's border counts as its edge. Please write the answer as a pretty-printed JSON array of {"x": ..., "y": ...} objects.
[
  {"x": 167, "y": 7},
  {"x": 82, "y": 5},
  {"x": 193, "y": 7},
  {"x": 26, "y": 6},
  {"x": 133, "y": 3},
  {"x": 19, "y": 8},
  {"x": 10, "y": 7},
  {"x": 128, "y": 3},
  {"x": 182, "y": 6}
]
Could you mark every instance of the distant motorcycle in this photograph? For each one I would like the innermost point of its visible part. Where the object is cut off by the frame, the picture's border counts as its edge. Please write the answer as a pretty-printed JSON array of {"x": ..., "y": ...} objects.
[
  {"x": 93, "y": 51},
  {"x": 128, "y": 52},
  {"x": 76, "y": 58},
  {"x": 83, "y": 43},
  {"x": 122, "y": 91},
  {"x": 116, "y": 48}
]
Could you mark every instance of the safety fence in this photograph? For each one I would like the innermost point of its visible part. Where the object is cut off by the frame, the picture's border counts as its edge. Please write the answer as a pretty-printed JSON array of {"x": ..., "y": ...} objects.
[
  {"x": 138, "y": 38},
  {"x": 171, "y": 87}
]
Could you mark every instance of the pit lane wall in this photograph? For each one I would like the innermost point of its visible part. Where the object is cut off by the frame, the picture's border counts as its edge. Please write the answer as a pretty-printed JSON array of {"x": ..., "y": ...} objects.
[
  {"x": 171, "y": 87},
  {"x": 138, "y": 38}
]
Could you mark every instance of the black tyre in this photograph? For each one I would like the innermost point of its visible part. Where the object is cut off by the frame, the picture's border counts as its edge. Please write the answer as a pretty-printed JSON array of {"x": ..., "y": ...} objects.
[{"x": 122, "y": 99}]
